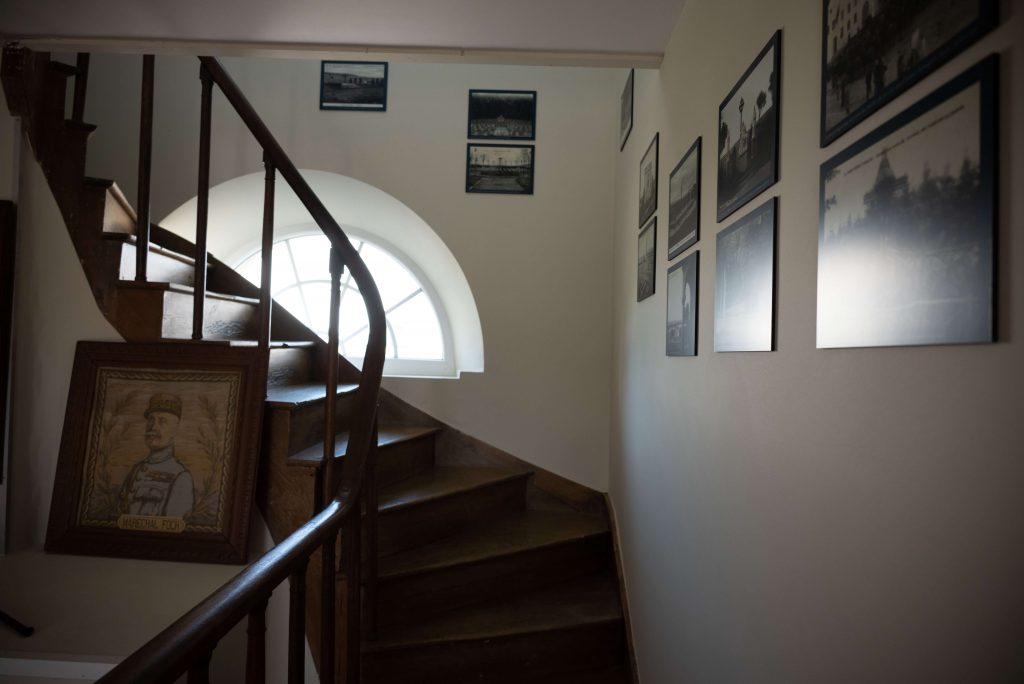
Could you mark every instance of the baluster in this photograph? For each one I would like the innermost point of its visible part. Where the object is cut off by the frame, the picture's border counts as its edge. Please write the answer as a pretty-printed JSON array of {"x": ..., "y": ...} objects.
[
  {"x": 81, "y": 84},
  {"x": 327, "y": 610},
  {"x": 256, "y": 646},
  {"x": 266, "y": 260},
  {"x": 350, "y": 537},
  {"x": 297, "y": 625},
  {"x": 203, "y": 203},
  {"x": 330, "y": 481},
  {"x": 370, "y": 604},
  {"x": 145, "y": 166},
  {"x": 199, "y": 671}
]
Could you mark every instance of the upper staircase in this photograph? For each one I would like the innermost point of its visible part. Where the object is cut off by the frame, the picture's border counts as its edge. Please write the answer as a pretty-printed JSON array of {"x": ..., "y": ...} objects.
[{"x": 476, "y": 567}]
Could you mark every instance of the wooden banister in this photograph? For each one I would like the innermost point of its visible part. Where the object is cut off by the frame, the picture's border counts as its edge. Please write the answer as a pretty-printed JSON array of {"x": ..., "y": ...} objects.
[{"x": 145, "y": 167}]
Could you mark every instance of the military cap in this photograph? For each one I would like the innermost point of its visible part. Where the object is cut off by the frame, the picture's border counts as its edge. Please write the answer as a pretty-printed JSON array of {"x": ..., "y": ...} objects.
[{"x": 168, "y": 403}]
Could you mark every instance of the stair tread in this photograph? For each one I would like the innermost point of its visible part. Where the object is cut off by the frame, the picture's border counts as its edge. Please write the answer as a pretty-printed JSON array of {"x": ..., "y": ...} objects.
[
  {"x": 295, "y": 396},
  {"x": 153, "y": 248},
  {"x": 386, "y": 436},
  {"x": 513, "y": 534},
  {"x": 440, "y": 482},
  {"x": 185, "y": 289},
  {"x": 585, "y": 601},
  {"x": 274, "y": 344},
  {"x": 63, "y": 69},
  {"x": 80, "y": 125}
]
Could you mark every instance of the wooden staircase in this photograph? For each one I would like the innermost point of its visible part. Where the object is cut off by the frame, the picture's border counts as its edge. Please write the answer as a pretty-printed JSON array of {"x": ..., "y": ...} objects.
[{"x": 478, "y": 567}]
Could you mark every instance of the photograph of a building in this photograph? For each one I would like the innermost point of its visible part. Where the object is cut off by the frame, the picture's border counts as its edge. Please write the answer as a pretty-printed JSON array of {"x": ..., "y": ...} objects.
[
  {"x": 504, "y": 115},
  {"x": 499, "y": 168},
  {"x": 354, "y": 85}
]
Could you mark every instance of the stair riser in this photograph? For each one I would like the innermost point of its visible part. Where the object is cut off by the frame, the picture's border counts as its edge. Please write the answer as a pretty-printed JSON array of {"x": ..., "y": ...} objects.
[
  {"x": 289, "y": 366},
  {"x": 519, "y": 658},
  {"x": 306, "y": 424},
  {"x": 408, "y": 599},
  {"x": 222, "y": 320},
  {"x": 396, "y": 462},
  {"x": 411, "y": 526},
  {"x": 159, "y": 268}
]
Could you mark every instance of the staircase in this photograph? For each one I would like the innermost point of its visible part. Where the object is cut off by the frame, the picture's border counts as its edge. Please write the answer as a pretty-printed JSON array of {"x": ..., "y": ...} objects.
[{"x": 476, "y": 566}]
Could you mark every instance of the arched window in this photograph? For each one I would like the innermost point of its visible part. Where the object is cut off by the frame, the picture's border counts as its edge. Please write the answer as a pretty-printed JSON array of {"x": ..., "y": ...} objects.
[{"x": 417, "y": 343}]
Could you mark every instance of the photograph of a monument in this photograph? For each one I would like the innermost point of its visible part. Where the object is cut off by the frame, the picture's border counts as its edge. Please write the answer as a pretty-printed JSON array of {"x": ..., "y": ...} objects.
[
  {"x": 354, "y": 85},
  {"x": 501, "y": 169},
  {"x": 502, "y": 114},
  {"x": 745, "y": 282},
  {"x": 684, "y": 202},
  {"x": 681, "y": 309},
  {"x": 906, "y": 242}
]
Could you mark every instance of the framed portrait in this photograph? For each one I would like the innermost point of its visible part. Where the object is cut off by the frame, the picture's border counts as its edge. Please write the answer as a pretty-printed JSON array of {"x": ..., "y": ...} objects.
[
  {"x": 682, "y": 282},
  {"x": 626, "y": 111},
  {"x": 502, "y": 114},
  {"x": 906, "y": 238},
  {"x": 159, "y": 451},
  {"x": 359, "y": 86},
  {"x": 871, "y": 51},
  {"x": 745, "y": 283},
  {"x": 502, "y": 169},
  {"x": 684, "y": 202},
  {"x": 649, "y": 181},
  {"x": 748, "y": 132},
  {"x": 646, "y": 252}
]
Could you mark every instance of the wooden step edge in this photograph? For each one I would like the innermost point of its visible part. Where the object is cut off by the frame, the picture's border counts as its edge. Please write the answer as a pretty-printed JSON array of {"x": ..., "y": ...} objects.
[
  {"x": 132, "y": 239},
  {"x": 312, "y": 457},
  {"x": 244, "y": 344},
  {"x": 178, "y": 288},
  {"x": 62, "y": 68},
  {"x": 281, "y": 396},
  {"x": 80, "y": 125},
  {"x": 509, "y": 476},
  {"x": 115, "y": 192}
]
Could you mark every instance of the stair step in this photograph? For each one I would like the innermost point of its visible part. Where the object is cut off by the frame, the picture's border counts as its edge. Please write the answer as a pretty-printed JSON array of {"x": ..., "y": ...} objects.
[
  {"x": 63, "y": 69},
  {"x": 153, "y": 311},
  {"x": 566, "y": 629},
  {"x": 163, "y": 265},
  {"x": 119, "y": 216},
  {"x": 518, "y": 553},
  {"x": 443, "y": 501},
  {"x": 79, "y": 125},
  {"x": 303, "y": 394},
  {"x": 387, "y": 436}
]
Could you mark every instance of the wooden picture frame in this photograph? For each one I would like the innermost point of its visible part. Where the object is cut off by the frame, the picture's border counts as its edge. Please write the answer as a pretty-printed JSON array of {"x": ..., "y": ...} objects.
[
  {"x": 748, "y": 156},
  {"x": 159, "y": 452},
  {"x": 502, "y": 114},
  {"x": 626, "y": 110},
  {"x": 354, "y": 86},
  {"x": 499, "y": 169},
  {"x": 649, "y": 181},
  {"x": 684, "y": 202},
  {"x": 872, "y": 53},
  {"x": 647, "y": 256}
]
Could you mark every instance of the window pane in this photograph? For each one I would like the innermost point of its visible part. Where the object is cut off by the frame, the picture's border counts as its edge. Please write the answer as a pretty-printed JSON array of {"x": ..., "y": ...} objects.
[
  {"x": 416, "y": 327},
  {"x": 393, "y": 279},
  {"x": 312, "y": 254},
  {"x": 282, "y": 274},
  {"x": 291, "y": 299},
  {"x": 318, "y": 299},
  {"x": 250, "y": 268},
  {"x": 352, "y": 316}
]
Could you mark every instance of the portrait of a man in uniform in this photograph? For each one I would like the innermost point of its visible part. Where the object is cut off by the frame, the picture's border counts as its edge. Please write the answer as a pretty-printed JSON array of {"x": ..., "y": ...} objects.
[{"x": 159, "y": 484}]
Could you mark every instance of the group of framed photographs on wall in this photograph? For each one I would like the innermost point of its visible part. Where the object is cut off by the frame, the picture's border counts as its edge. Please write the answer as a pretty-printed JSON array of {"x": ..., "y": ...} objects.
[
  {"x": 906, "y": 240},
  {"x": 502, "y": 168}
]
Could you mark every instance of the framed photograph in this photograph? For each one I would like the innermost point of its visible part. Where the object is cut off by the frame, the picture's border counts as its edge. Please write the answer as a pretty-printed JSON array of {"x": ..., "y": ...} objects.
[
  {"x": 649, "y": 181},
  {"x": 745, "y": 283},
  {"x": 872, "y": 51},
  {"x": 681, "y": 312},
  {"x": 159, "y": 451},
  {"x": 626, "y": 111},
  {"x": 748, "y": 132},
  {"x": 684, "y": 202},
  {"x": 502, "y": 114},
  {"x": 354, "y": 85},
  {"x": 503, "y": 169},
  {"x": 646, "y": 251},
  {"x": 906, "y": 240}
]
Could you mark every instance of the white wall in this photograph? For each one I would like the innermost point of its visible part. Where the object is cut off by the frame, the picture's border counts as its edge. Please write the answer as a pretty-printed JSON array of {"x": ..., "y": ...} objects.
[
  {"x": 812, "y": 515},
  {"x": 538, "y": 265}
]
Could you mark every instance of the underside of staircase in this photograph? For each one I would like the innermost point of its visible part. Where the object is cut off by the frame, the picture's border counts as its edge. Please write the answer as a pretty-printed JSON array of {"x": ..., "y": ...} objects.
[{"x": 489, "y": 569}]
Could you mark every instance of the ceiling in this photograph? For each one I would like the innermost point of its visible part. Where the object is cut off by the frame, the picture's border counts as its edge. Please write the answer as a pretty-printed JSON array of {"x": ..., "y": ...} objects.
[{"x": 609, "y": 32}]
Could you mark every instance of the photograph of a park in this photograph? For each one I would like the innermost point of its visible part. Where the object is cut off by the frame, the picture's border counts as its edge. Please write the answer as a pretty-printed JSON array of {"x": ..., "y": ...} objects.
[
  {"x": 684, "y": 202},
  {"x": 503, "y": 169}
]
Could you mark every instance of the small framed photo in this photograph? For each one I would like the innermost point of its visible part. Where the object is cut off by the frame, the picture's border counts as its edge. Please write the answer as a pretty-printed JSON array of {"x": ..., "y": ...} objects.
[
  {"x": 646, "y": 256},
  {"x": 745, "y": 283},
  {"x": 684, "y": 202},
  {"x": 873, "y": 52},
  {"x": 501, "y": 169},
  {"x": 626, "y": 111},
  {"x": 354, "y": 85},
  {"x": 748, "y": 132},
  {"x": 906, "y": 240},
  {"x": 154, "y": 459},
  {"x": 681, "y": 311},
  {"x": 502, "y": 114},
  {"x": 649, "y": 181}
]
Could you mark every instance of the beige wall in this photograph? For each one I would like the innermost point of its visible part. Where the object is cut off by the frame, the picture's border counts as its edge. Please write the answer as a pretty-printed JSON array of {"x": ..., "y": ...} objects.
[
  {"x": 538, "y": 266},
  {"x": 812, "y": 515}
]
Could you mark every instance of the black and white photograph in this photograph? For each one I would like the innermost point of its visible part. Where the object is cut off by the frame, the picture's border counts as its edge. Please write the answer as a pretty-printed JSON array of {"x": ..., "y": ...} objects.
[
  {"x": 501, "y": 169},
  {"x": 354, "y": 85},
  {"x": 649, "y": 181},
  {"x": 681, "y": 312},
  {"x": 645, "y": 258},
  {"x": 873, "y": 50},
  {"x": 684, "y": 202},
  {"x": 906, "y": 239},
  {"x": 745, "y": 283},
  {"x": 748, "y": 132},
  {"x": 503, "y": 114},
  {"x": 626, "y": 111}
]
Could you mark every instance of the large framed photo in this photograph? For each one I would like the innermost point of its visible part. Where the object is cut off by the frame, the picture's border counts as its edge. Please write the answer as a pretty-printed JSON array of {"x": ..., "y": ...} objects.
[
  {"x": 649, "y": 181},
  {"x": 748, "y": 132},
  {"x": 681, "y": 311},
  {"x": 745, "y": 283},
  {"x": 684, "y": 202},
  {"x": 159, "y": 451},
  {"x": 873, "y": 50},
  {"x": 502, "y": 169},
  {"x": 354, "y": 85},
  {"x": 645, "y": 258},
  {"x": 626, "y": 111},
  {"x": 906, "y": 241},
  {"x": 502, "y": 114}
]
